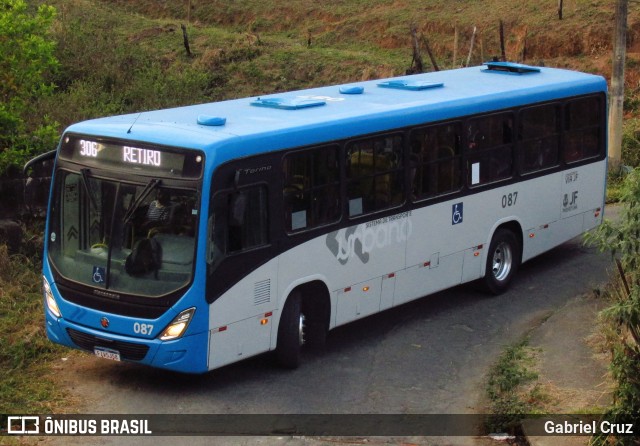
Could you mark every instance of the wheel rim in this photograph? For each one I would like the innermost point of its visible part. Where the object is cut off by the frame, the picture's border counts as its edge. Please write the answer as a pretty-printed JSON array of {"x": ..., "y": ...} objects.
[
  {"x": 301, "y": 326},
  {"x": 502, "y": 261}
]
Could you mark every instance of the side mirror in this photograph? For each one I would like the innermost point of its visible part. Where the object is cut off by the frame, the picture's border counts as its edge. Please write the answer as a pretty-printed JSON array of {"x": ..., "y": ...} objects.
[{"x": 37, "y": 172}]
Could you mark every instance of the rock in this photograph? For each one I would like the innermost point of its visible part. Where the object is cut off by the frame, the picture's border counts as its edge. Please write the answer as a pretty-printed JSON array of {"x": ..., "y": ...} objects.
[{"x": 11, "y": 235}]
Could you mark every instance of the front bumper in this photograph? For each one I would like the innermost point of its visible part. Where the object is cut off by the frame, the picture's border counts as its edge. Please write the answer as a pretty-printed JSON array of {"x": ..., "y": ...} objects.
[{"x": 187, "y": 354}]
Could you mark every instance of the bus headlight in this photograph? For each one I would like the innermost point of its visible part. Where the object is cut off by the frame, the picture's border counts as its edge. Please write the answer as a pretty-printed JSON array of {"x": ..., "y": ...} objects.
[
  {"x": 52, "y": 305},
  {"x": 178, "y": 326}
]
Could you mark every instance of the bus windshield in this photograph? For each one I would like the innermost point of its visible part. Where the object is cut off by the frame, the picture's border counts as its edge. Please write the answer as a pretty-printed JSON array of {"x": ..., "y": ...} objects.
[{"x": 126, "y": 238}]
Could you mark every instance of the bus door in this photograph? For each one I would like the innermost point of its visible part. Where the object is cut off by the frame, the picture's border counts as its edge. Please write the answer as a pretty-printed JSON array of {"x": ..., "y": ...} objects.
[{"x": 242, "y": 272}]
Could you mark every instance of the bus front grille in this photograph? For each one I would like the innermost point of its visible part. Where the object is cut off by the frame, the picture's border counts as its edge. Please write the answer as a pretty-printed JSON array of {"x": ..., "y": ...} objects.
[{"x": 128, "y": 350}]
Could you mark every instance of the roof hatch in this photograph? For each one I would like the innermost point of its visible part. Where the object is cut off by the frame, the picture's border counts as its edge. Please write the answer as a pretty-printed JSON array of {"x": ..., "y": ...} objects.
[
  {"x": 212, "y": 121},
  {"x": 351, "y": 89},
  {"x": 287, "y": 104},
  {"x": 410, "y": 85},
  {"x": 509, "y": 68}
]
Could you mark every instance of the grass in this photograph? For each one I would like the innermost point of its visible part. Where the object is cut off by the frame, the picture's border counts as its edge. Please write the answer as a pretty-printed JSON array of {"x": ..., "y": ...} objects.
[
  {"x": 386, "y": 24},
  {"x": 26, "y": 354},
  {"x": 260, "y": 47},
  {"x": 614, "y": 189},
  {"x": 512, "y": 388}
]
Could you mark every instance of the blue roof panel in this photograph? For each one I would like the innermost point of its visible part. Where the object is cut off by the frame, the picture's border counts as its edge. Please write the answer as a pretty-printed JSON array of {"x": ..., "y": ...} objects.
[{"x": 464, "y": 91}]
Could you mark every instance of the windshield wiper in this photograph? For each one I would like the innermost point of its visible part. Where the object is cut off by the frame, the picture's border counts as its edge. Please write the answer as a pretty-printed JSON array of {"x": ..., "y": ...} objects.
[
  {"x": 151, "y": 185},
  {"x": 87, "y": 188}
]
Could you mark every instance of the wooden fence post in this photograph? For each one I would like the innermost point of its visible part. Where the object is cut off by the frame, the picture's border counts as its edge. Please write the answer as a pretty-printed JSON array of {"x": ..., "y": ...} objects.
[
  {"x": 473, "y": 40},
  {"x": 503, "y": 53},
  {"x": 455, "y": 46},
  {"x": 560, "y": 9},
  {"x": 185, "y": 39},
  {"x": 431, "y": 57},
  {"x": 417, "y": 58}
]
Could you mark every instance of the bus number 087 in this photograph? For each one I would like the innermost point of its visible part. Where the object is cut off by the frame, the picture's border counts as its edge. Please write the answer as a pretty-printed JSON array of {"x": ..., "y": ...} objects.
[
  {"x": 144, "y": 329},
  {"x": 509, "y": 199}
]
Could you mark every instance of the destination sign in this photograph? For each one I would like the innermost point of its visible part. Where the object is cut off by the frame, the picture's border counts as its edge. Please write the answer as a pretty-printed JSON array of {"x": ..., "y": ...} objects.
[{"x": 143, "y": 159}]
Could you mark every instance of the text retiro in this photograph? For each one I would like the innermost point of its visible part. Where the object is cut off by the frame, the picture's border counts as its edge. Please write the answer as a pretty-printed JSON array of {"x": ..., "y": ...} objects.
[{"x": 146, "y": 157}]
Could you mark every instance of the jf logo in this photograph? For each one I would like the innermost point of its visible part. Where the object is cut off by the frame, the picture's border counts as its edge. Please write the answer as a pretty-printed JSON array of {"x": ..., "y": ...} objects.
[{"x": 570, "y": 202}]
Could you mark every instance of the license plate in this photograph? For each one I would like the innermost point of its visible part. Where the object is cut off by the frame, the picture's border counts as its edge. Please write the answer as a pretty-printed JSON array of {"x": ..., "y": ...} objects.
[{"x": 107, "y": 353}]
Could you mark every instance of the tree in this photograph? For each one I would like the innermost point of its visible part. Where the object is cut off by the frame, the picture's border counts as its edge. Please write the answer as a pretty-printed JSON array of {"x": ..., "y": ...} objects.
[
  {"x": 616, "y": 98},
  {"x": 26, "y": 60},
  {"x": 622, "y": 239}
]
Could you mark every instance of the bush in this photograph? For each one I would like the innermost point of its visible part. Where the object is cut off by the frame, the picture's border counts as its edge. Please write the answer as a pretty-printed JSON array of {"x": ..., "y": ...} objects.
[
  {"x": 25, "y": 381},
  {"x": 623, "y": 240},
  {"x": 121, "y": 72},
  {"x": 27, "y": 62},
  {"x": 631, "y": 143}
]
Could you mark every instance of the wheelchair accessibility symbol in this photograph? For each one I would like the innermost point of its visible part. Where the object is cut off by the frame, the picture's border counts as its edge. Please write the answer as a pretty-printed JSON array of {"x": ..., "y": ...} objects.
[
  {"x": 99, "y": 274},
  {"x": 456, "y": 213}
]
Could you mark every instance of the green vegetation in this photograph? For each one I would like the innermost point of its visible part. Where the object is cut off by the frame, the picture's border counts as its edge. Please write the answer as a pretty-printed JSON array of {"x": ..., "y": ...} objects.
[
  {"x": 26, "y": 385},
  {"x": 512, "y": 388},
  {"x": 100, "y": 57},
  {"x": 631, "y": 140},
  {"x": 623, "y": 240},
  {"x": 27, "y": 62}
]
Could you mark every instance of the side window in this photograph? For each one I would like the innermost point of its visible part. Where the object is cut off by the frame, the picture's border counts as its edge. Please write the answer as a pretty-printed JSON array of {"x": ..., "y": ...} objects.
[
  {"x": 311, "y": 188},
  {"x": 489, "y": 153},
  {"x": 539, "y": 137},
  {"x": 436, "y": 161},
  {"x": 375, "y": 176},
  {"x": 582, "y": 129},
  {"x": 239, "y": 222}
]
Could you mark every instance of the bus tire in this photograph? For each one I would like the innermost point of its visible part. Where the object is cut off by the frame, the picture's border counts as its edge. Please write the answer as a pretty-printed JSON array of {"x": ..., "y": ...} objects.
[
  {"x": 503, "y": 260},
  {"x": 291, "y": 333}
]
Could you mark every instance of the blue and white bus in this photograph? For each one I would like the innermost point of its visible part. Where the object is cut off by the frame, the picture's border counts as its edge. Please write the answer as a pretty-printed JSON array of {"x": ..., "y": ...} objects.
[{"x": 194, "y": 237}]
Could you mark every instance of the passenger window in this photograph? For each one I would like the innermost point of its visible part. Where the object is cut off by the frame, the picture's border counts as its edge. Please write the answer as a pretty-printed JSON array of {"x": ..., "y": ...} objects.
[
  {"x": 436, "y": 162},
  {"x": 311, "y": 188},
  {"x": 374, "y": 174},
  {"x": 239, "y": 222},
  {"x": 582, "y": 129},
  {"x": 490, "y": 148},
  {"x": 540, "y": 136}
]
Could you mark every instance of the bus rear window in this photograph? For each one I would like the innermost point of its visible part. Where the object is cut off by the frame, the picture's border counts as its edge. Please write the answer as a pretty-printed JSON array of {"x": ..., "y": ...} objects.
[
  {"x": 540, "y": 137},
  {"x": 583, "y": 132}
]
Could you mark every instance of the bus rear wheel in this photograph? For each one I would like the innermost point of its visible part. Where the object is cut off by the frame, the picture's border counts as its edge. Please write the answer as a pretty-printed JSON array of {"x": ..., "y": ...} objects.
[
  {"x": 291, "y": 333},
  {"x": 502, "y": 262}
]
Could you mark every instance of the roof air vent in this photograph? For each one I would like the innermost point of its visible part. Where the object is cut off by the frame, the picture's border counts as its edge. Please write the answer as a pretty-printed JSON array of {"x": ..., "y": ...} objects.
[
  {"x": 213, "y": 121},
  {"x": 509, "y": 68},
  {"x": 288, "y": 104},
  {"x": 351, "y": 89},
  {"x": 408, "y": 85}
]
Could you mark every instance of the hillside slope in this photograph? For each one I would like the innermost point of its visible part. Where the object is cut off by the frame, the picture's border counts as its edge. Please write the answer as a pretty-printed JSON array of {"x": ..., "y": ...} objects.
[
  {"x": 121, "y": 56},
  {"x": 532, "y": 28}
]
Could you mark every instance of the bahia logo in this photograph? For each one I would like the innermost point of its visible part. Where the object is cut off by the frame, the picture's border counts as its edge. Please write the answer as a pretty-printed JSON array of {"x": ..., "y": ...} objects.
[{"x": 359, "y": 241}]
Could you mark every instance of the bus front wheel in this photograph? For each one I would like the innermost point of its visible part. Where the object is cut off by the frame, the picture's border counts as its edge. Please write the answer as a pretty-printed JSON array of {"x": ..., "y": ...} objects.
[
  {"x": 502, "y": 262},
  {"x": 291, "y": 333}
]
